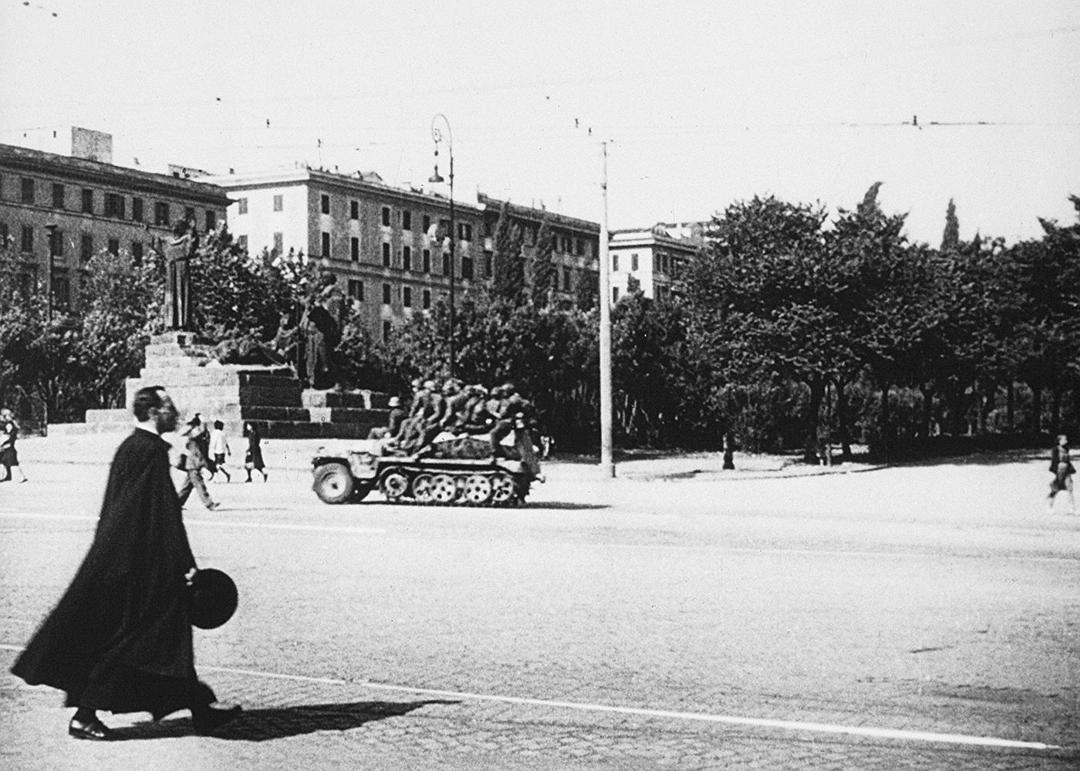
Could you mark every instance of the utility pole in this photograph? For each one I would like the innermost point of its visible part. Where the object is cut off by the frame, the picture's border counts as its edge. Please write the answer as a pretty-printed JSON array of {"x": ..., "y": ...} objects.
[
  {"x": 607, "y": 462},
  {"x": 50, "y": 251}
]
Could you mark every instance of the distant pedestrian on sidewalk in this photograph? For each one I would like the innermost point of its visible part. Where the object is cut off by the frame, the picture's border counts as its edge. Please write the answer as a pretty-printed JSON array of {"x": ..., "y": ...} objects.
[
  {"x": 1062, "y": 468},
  {"x": 253, "y": 458},
  {"x": 194, "y": 461},
  {"x": 9, "y": 456},
  {"x": 219, "y": 450},
  {"x": 120, "y": 637}
]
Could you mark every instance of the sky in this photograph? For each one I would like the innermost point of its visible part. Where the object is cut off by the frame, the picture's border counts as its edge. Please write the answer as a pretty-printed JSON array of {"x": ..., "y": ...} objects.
[{"x": 701, "y": 104}]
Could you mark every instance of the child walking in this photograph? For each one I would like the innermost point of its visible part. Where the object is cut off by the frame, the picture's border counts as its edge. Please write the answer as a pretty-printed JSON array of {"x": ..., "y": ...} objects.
[{"x": 219, "y": 449}]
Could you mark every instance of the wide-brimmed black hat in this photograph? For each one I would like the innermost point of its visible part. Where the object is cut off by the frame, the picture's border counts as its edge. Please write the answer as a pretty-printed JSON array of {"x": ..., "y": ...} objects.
[{"x": 213, "y": 598}]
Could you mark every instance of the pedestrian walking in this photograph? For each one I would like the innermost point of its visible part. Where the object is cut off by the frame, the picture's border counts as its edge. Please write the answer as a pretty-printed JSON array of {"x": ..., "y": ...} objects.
[
  {"x": 1062, "y": 468},
  {"x": 193, "y": 462},
  {"x": 120, "y": 638},
  {"x": 219, "y": 451},
  {"x": 253, "y": 458},
  {"x": 9, "y": 456}
]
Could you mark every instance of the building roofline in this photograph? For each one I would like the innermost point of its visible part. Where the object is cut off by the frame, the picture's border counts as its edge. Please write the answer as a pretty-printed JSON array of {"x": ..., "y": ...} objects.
[
  {"x": 121, "y": 176},
  {"x": 495, "y": 204}
]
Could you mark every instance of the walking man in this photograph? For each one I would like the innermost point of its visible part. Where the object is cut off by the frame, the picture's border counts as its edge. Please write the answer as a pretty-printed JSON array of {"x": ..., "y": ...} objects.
[
  {"x": 120, "y": 638},
  {"x": 194, "y": 463}
]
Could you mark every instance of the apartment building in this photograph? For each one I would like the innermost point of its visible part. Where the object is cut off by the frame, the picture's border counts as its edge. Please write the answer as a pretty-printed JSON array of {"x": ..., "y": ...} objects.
[
  {"x": 59, "y": 210},
  {"x": 653, "y": 257},
  {"x": 386, "y": 243}
]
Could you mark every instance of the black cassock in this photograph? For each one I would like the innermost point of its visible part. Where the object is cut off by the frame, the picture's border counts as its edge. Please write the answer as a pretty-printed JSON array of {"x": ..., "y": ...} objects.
[{"x": 120, "y": 637}]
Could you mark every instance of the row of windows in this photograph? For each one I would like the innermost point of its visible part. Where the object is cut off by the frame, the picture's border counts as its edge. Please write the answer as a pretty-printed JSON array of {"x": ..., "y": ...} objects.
[
  {"x": 114, "y": 205},
  {"x": 57, "y": 244},
  {"x": 662, "y": 263},
  {"x": 356, "y": 292}
]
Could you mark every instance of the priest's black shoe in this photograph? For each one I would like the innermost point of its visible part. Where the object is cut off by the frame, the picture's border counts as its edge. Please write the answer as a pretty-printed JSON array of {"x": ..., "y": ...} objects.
[
  {"x": 209, "y": 719},
  {"x": 94, "y": 730}
]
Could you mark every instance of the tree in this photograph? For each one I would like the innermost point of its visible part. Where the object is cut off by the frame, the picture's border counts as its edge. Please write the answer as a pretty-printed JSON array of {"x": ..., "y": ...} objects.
[
  {"x": 543, "y": 265},
  {"x": 950, "y": 239},
  {"x": 509, "y": 264}
]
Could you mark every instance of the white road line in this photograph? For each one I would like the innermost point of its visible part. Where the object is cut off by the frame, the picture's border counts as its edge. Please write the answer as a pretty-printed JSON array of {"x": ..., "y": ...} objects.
[
  {"x": 213, "y": 523},
  {"x": 787, "y": 725}
]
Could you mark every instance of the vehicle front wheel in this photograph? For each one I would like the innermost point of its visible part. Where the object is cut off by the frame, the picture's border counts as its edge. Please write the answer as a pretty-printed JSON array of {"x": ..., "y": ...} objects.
[{"x": 333, "y": 483}]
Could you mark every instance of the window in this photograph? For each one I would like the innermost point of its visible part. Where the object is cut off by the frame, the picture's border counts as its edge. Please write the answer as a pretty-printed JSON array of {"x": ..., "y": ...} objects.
[
  {"x": 633, "y": 262},
  {"x": 356, "y": 289},
  {"x": 58, "y": 196},
  {"x": 56, "y": 243},
  {"x": 189, "y": 214},
  {"x": 567, "y": 279},
  {"x": 487, "y": 229},
  {"x": 137, "y": 251},
  {"x": 446, "y": 263},
  {"x": 426, "y": 299},
  {"x": 324, "y": 203},
  {"x": 386, "y": 327},
  {"x": 354, "y": 210},
  {"x": 385, "y": 294},
  {"x": 354, "y": 249},
  {"x": 114, "y": 246},
  {"x": 579, "y": 247},
  {"x": 406, "y": 258},
  {"x": 279, "y": 243},
  {"x": 4, "y": 234},
  {"x": 466, "y": 266},
  {"x": 489, "y": 264},
  {"x": 406, "y": 219},
  {"x": 242, "y": 242},
  {"x": 137, "y": 209},
  {"x": 325, "y": 244},
  {"x": 87, "y": 200},
  {"x": 27, "y": 238},
  {"x": 279, "y": 202},
  {"x": 386, "y": 255},
  {"x": 114, "y": 205},
  {"x": 464, "y": 231},
  {"x": 406, "y": 296},
  {"x": 26, "y": 190},
  {"x": 86, "y": 250},
  {"x": 386, "y": 216},
  {"x": 161, "y": 213},
  {"x": 425, "y": 223},
  {"x": 211, "y": 221},
  {"x": 614, "y": 263},
  {"x": 444, "y": 229},
  {"x": 61, "y": 288},
  {"x": 425, "y": 257}
]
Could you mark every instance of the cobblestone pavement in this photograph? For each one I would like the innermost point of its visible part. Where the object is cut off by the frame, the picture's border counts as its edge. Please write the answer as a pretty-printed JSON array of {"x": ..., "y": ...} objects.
[{"x": 619, "y": 625}]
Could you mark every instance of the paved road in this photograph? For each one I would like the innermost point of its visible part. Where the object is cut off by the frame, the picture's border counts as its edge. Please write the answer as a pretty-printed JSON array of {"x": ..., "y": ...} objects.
[{"x": 905, "y": 618}]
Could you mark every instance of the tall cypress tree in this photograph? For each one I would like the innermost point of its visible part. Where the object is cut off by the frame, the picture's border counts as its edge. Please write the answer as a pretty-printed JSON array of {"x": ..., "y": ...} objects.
[
  {"x": 543, "y": 265},
  {"x": 509, "y": 268},
  {"x": 950, "y": 239}
]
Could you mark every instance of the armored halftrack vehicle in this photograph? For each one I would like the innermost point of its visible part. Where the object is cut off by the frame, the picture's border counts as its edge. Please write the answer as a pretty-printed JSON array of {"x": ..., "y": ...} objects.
[{"x": 459, "y": 472}]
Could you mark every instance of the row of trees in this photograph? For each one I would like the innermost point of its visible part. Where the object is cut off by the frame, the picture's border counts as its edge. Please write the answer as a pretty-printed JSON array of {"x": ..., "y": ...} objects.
[{"x": 791, "y": 328}]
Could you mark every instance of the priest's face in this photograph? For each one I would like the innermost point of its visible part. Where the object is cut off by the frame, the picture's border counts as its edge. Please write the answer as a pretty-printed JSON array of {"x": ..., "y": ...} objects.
[{"x": 165, "y": 415}]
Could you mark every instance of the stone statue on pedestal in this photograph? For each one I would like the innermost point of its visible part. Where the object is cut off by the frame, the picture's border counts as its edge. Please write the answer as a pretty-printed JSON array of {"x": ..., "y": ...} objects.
[{"x": 178, "y": 253}]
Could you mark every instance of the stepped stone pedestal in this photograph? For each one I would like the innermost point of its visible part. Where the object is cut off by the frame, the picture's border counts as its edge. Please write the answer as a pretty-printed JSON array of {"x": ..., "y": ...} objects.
[{"x": 270, "y": 397}]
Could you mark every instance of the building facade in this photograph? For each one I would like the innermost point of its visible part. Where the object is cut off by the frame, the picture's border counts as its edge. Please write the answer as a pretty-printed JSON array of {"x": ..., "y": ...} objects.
[
  {"x": 385, "y": 244},
  {"x": 654, "y": 259},
  {"x": 57, "y": 211}
]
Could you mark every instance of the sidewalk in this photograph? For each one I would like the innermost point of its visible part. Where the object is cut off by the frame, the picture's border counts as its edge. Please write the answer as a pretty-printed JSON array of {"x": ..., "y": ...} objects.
[{"x": 294, "y": 455}]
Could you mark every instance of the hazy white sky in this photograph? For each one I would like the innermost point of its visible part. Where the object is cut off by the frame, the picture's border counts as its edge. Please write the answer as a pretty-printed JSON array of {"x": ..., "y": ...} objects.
[{"x": 704, "y": 102}]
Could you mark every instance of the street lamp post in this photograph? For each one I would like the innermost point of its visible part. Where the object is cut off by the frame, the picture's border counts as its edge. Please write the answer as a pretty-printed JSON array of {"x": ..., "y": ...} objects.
[{"x": 436, "y": 178}]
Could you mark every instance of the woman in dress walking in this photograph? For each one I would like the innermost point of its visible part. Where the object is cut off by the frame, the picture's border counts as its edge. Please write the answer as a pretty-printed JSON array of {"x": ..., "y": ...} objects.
[
  {"x": 253, "y": 459},
  {"x": 1062, "y": 468},
  {"x": 9, "y": 456}
]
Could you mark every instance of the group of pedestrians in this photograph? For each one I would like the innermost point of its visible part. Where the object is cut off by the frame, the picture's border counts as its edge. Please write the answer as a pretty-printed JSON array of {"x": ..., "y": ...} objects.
[{"x": 207, "y": 449}]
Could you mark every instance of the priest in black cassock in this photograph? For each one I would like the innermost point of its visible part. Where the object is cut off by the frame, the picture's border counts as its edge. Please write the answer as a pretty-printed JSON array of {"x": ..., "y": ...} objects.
[{"x": 120, "y": 638}]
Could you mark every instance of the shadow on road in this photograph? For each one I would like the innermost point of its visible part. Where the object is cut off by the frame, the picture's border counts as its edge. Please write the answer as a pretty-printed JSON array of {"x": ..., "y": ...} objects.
[
  {"x": 259, "y": 725},
  {"x": 563, "y": 505}
]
